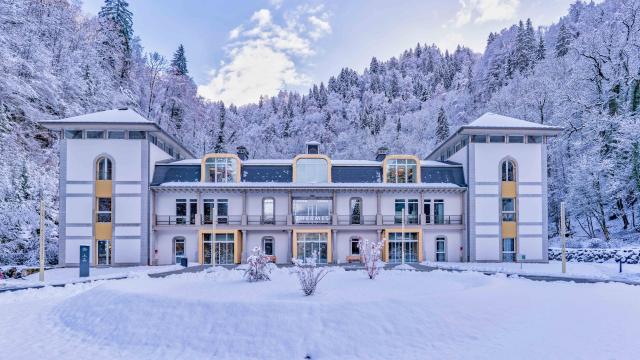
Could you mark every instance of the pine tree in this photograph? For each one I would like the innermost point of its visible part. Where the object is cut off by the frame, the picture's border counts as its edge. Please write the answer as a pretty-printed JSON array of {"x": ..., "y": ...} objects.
[
  {"x": 563, "y": 41},
  {"x": 442, "y": 126},
  {"x": 118, "y": 12},
  {"x": 220, "y": 139},
  {"x": 541, "y": 50},
  {"x": 179, "y": 62},
  {"x": 525, "y": 52}
]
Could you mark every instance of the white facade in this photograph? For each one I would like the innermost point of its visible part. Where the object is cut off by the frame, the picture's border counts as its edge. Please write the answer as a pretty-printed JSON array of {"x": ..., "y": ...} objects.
[{"x": 162, "y": 210}]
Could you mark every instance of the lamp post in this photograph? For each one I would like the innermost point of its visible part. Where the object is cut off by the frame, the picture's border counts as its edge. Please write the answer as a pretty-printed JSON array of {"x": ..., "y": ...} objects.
[
  {"x": 403, "y": 212},
  {"x": 41, "y": 276}
]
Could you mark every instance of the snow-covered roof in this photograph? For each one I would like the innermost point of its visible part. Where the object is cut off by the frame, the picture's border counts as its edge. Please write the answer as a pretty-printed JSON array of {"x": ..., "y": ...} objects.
[
  {"x": 115, "y": 116},
  {"x": 184, "y": 162},
  {"x": 267, "y": 162},
  {"x": 209, "y": 185},
  {"x": 491, "y": 120},
  {"x": 342, "y": 162}
]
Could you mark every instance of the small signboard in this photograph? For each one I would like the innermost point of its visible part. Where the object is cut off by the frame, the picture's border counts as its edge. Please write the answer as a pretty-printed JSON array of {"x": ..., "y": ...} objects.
[{"x": 84, "y": 260}]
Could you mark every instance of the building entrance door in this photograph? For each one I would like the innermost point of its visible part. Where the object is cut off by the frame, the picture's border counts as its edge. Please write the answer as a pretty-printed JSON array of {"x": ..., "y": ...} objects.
[{"x": 104, "y": 252}]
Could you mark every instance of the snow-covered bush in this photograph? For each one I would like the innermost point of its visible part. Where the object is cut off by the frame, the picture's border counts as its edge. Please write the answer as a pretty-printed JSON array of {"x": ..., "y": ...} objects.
[
  {"x": 309, "y": 274},
  {"x": 257, "y": 266},
  {"x": 371, "y": 254}
]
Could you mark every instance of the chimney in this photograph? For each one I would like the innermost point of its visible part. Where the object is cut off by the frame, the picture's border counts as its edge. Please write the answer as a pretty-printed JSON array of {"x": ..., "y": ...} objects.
[
  {"x": 312, "y": 147},
  {"x": 382, "y": 153},
  {"x": 242, "y": 152}
]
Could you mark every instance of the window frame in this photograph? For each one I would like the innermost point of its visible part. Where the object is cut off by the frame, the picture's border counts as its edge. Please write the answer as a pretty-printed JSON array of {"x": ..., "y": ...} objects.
[
  {"x": 443, "y": 239},
  {"x": 299, "y": 161},
  {"x": 409, "y": 165},
  {"x": 220, "y": 168},
  {"x": 272, "y": 219},
  {"x": 263, "y": 244},
  {"x": 121, "y": 135},
  {"x": 68, "y": 132},
  {"x": 104, "y": 171},
  {"x": 100, "y": 213},
  {"x": 508, "y": 170},
  {"x": 510, "y": 139},
  {"x": 355, "y": 239},
  {"x": 497, "y": 139},
  {"x": 352, "y": 216},
  {"x": 475, "y": 139},
  {"x": 537, "y": 139},
  {"x": 141, "y": 135},
  {"x": 510, "y": 214},
  {"x": 95, "y": 132}
]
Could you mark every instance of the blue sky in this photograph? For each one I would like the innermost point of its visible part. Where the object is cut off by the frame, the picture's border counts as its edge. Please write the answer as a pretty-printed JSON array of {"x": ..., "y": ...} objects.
[{"x": 239, "y": 50}]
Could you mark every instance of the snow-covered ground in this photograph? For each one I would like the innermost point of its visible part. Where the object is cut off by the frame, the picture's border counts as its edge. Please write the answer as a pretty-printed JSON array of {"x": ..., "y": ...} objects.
[
  {"x": 72, "y": 274},
  {"x": 605, "y": 271},
  {"x": 399, "y": 315}
]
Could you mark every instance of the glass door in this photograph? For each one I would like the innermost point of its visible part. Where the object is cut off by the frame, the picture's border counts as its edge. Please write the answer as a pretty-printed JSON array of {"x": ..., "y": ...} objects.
[
  {"x": 104, "y": 252},
  {"x": 224, "y": 249},
  {"x": 179, "y": 249},
  {"x": 207, "y": 248},
  {"x": 312, "y": 244},
  {"x": 410, "y": 247}
]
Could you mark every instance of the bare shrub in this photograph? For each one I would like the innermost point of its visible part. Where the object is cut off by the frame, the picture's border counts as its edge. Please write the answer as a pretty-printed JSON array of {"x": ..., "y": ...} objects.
[
  {"x": 258, "y": 266},
  {"x": 371, "y": 253},
  {"x": 309, "y": 274}
]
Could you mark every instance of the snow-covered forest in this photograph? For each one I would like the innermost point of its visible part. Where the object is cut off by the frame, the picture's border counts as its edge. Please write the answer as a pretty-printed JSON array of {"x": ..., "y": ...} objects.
[{"x": 582, "y": 73}]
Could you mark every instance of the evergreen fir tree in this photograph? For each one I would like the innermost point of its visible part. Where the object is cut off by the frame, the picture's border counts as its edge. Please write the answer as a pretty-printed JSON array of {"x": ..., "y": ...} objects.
[
  {"x": 541, "y": 50},
  {"x": 179, "y": 62},
  {"x": 118, "y": 12},
  {"x": 563, "y": 41},
  {"x": 442, "y": 127},
  {"x": 220, "y": 139}
]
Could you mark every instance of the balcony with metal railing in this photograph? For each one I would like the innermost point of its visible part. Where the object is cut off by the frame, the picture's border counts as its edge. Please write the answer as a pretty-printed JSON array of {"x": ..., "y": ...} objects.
[
  {"x": 356, "y": 220},
  {"x": 175, "y": 220},
  {"x": 222, "y": 219},
  {"x": 266, "y": 220}
]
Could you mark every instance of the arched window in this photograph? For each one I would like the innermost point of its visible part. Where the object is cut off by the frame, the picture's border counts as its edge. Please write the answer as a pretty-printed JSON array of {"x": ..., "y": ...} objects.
[
  {"x": 103, "y": 169},
  {"x": 268, "y": 210},
  {"x": 508, "y": 170}
]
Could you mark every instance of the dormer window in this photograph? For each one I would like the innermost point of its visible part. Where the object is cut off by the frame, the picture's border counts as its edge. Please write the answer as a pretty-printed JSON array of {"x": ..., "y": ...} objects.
[
  {"x": 311, "y": 169},
  {"x": 221, "y": 169},
  {"x": 313, "y": 147},
  {"x": 401, "y": 170}
]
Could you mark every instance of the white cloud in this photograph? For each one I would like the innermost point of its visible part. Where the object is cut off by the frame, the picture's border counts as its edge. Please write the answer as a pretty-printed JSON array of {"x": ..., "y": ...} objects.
[
  {"x": 276, "y": 3},
  {"x": 264, "y": 57},
  {"x": 480, "y": 11}
]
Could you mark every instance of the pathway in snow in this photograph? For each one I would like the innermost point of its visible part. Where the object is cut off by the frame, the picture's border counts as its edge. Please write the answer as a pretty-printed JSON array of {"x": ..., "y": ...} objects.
[{"x": 402, "y": 314}]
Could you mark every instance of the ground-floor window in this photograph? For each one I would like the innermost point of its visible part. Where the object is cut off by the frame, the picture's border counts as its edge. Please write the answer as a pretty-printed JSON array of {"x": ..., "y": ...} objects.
[
  {"x": 267, "y": 245},
  {"x": 508, "y": 249},
  {"x": 441, "y": 252},
  {"x": 104, "y": 252},
  {"x": 399, "y": 246},
  {"x": 218, "y": 249},
  {"x": 355, "y": 250},
  {"x": 309, "y": 244},
  {"x": 179, "y": 248}
]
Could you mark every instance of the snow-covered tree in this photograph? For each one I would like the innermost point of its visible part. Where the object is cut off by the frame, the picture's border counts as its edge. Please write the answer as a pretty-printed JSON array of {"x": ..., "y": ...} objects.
[
  {"x": 371, "y": 255},
  {"x": 309, "y": 274},
  {"x": 442, "y": 126},
  {"x": 257, "y": 266},
  {"x": 179, "y": 62}
]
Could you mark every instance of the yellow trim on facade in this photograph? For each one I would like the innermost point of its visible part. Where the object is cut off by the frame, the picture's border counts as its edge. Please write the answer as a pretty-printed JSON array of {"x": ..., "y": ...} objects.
[
  {"x": 508, "y": 229},
  {"x": 294, "y": 241},
  {"x": 203, "y": 175},
  {"x": 407, "y": 157},
  {"x": 104, "y": 188},
  {"x": 103, "y": 231},
  {"x": 237, "y": 243},
  {"x": 311, "y": 156},
  {"x": 385, "y": 253},
  {"x": 508, "y": 189}
]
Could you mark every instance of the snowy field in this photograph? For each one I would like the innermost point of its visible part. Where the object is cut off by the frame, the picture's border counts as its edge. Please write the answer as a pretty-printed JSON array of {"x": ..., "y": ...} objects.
[
  {"x": 605, "y": 271},
  {"x": 400, "y": 315}
]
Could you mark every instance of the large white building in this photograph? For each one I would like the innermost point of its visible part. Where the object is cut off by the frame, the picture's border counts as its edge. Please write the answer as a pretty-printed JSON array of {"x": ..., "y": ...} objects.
[{"x": 137, "y": 196}]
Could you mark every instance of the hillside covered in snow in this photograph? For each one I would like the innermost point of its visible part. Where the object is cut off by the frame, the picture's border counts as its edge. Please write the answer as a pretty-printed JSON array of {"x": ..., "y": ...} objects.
[{"x": 580, "y": 73}]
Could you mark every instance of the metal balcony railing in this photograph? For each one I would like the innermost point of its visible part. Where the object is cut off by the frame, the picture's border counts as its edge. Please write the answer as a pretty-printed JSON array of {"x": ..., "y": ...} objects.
[
  {"x": 397, "y": 220},
  {"x": 266, "y": 220},
  {"x": 446, "y": 220},
  {"x": 175, "y": 220},
  {"x": 356, "y": 220},
  {"x": 222, "y": 219}
]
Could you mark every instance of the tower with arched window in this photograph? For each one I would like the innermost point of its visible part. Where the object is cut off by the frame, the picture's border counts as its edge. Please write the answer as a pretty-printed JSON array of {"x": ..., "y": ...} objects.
[
  {"x": 505, "y": 165},
  {"x": 105, "y": 168}
]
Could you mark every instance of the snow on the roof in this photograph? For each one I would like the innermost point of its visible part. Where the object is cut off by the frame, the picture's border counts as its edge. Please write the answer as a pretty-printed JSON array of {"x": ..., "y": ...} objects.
[
  {"x": 437, "y": 163},
  {"x": 267, "y": 162},
  {"x": 124, "y": 115},
  {"x": 356, "y": 162},
  {"x": 491, "y": 120},
  {"x": 198, "y": 184},
  {"x": 184, "y": 162}
]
